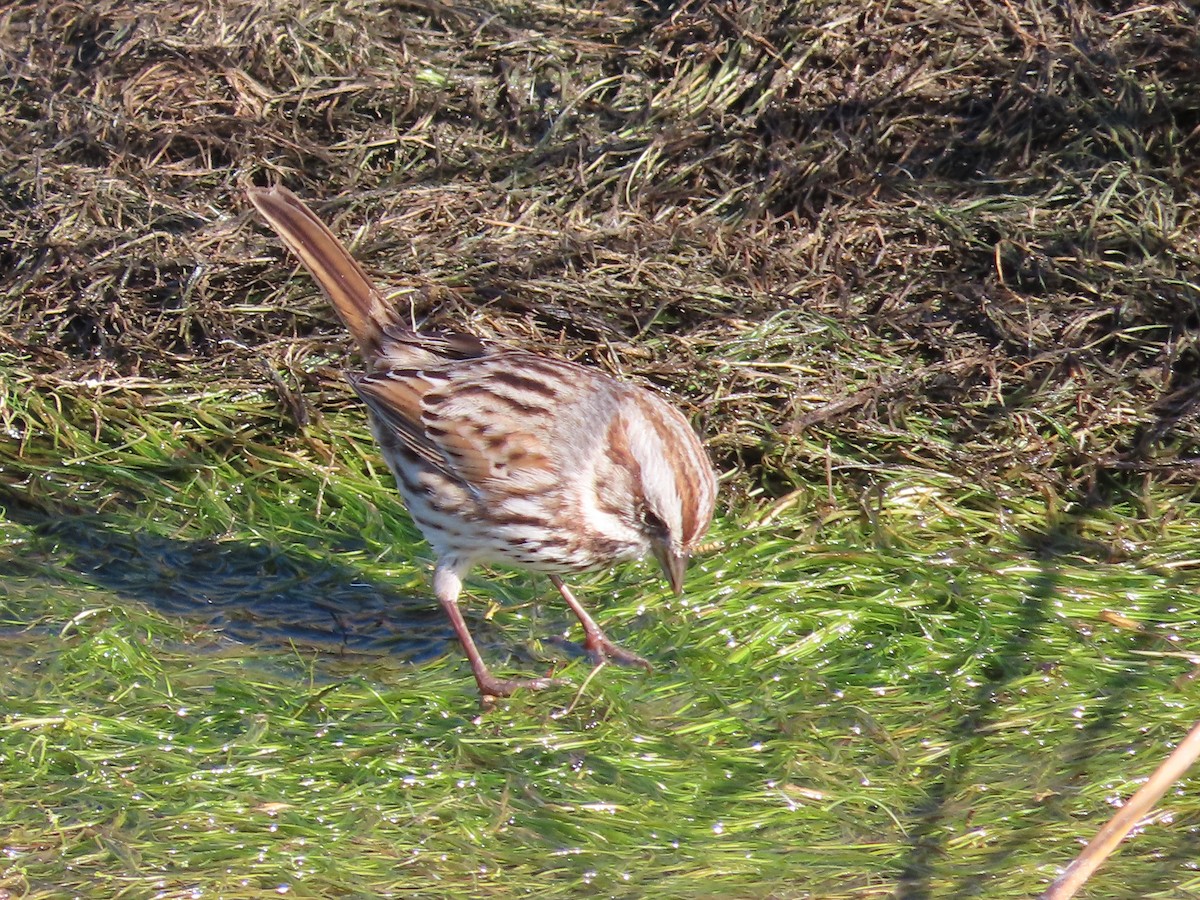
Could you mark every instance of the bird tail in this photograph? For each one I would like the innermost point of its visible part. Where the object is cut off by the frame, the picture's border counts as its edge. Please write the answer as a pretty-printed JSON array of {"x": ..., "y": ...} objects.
[{"x": 371, "y": 320}]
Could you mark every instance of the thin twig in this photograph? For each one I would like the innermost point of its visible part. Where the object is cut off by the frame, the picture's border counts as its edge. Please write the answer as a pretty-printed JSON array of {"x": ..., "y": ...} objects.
[{"x": 1107, "y": 839}]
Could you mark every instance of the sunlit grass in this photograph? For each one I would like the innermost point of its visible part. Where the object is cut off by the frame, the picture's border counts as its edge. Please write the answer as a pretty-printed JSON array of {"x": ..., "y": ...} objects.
[
  {"x": 922, "y": 685},
  {"x": 924, "y": 275}
]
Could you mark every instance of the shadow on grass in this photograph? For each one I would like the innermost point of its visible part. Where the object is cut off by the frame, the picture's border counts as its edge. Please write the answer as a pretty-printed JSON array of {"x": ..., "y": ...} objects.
[
  {"x": 252, "y": 593},
  {"x": 928, "y": 836},
  {"x": 1013, "y": 660}
]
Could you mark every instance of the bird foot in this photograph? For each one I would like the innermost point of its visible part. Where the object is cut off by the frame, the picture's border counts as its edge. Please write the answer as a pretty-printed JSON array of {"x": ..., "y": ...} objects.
[
  {"x": 602, "y": 650},
  {"x": 490, "y": 686}
]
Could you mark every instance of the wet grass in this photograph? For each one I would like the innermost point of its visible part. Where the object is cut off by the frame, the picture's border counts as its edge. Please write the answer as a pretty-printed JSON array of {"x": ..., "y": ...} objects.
[
  {"x": 233, "y": 680},
  {"x": 924, "y": 275}
]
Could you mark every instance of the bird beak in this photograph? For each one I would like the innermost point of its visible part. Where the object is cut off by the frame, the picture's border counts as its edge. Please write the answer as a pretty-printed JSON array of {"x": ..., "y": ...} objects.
[{"x": 674, "y": 566}]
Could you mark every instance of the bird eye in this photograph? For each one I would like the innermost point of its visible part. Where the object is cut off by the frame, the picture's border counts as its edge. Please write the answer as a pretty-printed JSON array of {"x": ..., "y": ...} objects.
[{"x": 653, "y": 522}]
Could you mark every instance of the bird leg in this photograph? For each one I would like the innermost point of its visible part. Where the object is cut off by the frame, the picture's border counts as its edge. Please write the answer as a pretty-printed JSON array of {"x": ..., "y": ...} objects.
[
  {"x": 598, "y": 646},
  {"x": 447, "y": 585}
]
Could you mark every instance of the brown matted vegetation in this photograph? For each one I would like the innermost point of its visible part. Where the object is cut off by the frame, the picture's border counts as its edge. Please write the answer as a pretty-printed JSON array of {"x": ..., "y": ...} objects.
[
  {"x": 927, "y": 270},
  {"x": 824, "y": 225}
]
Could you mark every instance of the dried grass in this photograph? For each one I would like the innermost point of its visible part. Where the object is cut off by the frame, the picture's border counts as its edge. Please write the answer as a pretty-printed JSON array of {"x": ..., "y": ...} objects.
[{"x": 987, "y": 211}]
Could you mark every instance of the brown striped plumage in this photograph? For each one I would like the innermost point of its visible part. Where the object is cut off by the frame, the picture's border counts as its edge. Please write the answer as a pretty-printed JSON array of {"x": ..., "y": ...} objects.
[{"x": 509, "y": 457}]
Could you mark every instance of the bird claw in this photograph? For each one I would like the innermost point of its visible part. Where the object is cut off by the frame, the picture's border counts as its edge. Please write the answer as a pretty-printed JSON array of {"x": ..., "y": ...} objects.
[
  {"x": 491, "y": 687},
  {"x": 602, "y": 650}
]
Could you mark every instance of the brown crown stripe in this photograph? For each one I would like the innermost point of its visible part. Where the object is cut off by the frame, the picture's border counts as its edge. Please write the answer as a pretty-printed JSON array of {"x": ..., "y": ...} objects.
[
  {"x": 690, "y": 470},
  {"x": 621, "y": 458}
]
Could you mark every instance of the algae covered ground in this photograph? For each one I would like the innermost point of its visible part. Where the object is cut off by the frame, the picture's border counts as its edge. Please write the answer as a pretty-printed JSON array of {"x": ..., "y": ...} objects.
[{"x": 925, "y": 275}]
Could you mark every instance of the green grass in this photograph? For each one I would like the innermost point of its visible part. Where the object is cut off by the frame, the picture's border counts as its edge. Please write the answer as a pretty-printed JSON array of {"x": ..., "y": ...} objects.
[
  {"x": 916, "y": 689},
  {"x": 923, "y": 274}
]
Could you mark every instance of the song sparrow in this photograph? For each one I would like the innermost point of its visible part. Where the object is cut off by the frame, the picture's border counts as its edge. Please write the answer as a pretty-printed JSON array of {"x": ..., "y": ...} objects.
[{"x": 510, "y": 457}]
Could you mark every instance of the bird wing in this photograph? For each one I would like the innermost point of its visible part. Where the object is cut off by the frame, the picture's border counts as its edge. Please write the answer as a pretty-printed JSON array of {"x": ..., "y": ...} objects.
[
  {"x": 394, "y": 399},
  {"x": 479, "y": 421}
]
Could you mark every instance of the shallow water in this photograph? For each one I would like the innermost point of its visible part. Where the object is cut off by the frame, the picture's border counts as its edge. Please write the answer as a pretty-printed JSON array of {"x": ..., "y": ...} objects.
[
  {"x": 251, "y": 593},
  {"x": 852, "y": 719}
]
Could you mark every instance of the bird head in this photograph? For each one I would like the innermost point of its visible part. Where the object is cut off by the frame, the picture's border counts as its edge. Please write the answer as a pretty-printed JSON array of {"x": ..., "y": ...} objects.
[{"x": 676, "y": 485}]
